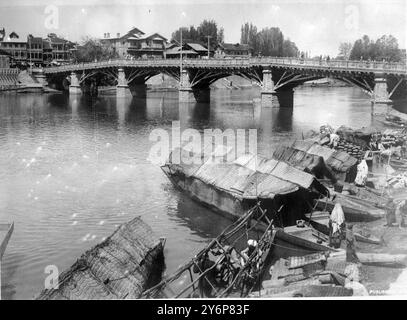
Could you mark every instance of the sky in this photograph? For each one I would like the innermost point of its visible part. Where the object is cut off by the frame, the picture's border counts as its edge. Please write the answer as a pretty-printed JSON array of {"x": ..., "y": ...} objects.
[{"x": 316, "y": 26}]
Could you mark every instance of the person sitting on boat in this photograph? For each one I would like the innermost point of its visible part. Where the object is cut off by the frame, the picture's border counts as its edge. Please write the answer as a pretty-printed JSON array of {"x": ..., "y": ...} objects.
[
  {"x": 208, "y": 281},
  {"x": 246, "y": 253},
  {"x": 336, "y": 226},
  {"x": 228, "y": 265},
  {"x": 333, "y": 140}
]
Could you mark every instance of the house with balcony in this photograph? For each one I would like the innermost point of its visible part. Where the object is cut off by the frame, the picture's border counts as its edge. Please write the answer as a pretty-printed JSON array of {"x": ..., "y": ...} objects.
[
  {"x": 61, "y": 48},
  {"x": 35, "y": 50},
  {"x": 136, "y": 43},
  {"x": 16, "y": 47}
]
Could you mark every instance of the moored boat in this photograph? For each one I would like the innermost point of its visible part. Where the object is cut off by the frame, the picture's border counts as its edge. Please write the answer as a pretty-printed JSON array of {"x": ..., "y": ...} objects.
[
  {"x": 219, "y": 271},
  {"x": 121, "y": 267},
  {"x": 354, "y": 208},
  {"x": 233, "y": 187}
]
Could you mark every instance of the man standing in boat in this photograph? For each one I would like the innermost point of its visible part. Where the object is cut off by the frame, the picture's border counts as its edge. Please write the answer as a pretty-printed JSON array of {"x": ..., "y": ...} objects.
[{"x": 336, "y": 226}]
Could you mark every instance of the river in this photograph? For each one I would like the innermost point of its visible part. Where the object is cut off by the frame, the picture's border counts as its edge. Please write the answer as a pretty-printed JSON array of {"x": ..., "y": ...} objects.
[{"x": 73, "y": 168}]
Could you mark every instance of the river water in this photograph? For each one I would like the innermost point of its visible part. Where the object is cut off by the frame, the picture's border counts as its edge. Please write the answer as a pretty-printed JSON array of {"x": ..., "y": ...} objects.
[{"x": 73, "y": 168}]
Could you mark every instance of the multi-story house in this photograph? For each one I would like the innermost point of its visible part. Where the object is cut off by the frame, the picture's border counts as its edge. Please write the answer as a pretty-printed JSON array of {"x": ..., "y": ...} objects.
[
  {"x": 16, "y": 47},
  {"x": 34, "y": 50},
  {"x": 61, "y": 48},
  {"x": 136, "y": 43}
]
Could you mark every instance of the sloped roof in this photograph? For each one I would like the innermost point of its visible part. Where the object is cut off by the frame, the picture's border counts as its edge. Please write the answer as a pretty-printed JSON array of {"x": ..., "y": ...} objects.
[
  {"x": 155, "y": 36},
  {"x": 305, "y": 154},
  {"x": 234, "y": 46},
  {"x": 249, "y": 176},
  {"x": 197, "y": 47}
]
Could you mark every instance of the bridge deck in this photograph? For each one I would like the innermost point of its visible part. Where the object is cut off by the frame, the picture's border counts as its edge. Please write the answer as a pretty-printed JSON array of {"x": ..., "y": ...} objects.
[{"x": 243, "y": 63}]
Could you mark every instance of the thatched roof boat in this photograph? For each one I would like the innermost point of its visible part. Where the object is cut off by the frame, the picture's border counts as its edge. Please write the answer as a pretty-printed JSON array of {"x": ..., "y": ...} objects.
[
  {"x": 307, "y": 154},
  {"x": 121, "y": 267},
  {"x": 233, "y": 187}
]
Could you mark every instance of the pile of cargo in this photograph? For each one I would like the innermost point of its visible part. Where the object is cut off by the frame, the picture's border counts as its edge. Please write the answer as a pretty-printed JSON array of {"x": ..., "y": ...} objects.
[
  {"x": 352, "y": 149},
  {"x": 393, "y": 138}
]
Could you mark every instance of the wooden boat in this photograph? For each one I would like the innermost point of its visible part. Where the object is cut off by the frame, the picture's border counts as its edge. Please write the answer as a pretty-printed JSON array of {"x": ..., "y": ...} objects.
[
  {"x": 320, "y": 274},
  {"x": 391, "y": 124},
  {"x": 232, "y": 188},
  {"x": 383, "y": 259},
  {"x": 121, "y": 267},
  {"x": 320, "y": 221},
  {"x": 354, "y": 208},
  {"x": 373, "y": 259},
  {"x": 273, "y": 243},
  {"x": 398, "y": 164},
  {"x": 6, "y": 230}
]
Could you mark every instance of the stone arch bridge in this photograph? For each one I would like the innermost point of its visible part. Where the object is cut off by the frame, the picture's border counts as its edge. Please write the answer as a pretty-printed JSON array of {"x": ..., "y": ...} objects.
[{"x": 276, "y": 76}]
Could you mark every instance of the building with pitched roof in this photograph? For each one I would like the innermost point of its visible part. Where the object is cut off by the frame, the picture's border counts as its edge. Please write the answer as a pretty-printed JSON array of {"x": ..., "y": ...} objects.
[
  {"x": 16, "y": 47},
  {"x": 61, "y": 48},
  {"x": 136, "y": 43},
  {"x": 232, "y": 50}
]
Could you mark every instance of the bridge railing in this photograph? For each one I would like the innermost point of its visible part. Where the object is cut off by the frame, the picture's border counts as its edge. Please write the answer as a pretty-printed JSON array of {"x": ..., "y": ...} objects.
[
  {"x": 238, "y": 62},
  {"x": 357, "y": 64}
]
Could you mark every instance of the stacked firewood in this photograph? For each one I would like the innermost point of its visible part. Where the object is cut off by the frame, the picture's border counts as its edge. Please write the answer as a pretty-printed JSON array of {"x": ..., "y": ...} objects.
[{"x": 352, "y": 149}]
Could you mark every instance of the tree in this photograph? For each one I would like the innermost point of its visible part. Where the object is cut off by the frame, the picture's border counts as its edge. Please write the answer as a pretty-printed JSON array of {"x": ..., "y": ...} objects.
[
  {"x": 249, "y": 36},
  {"x": 221, "y": 36},
  {"x": 92, "y": 49},
  {"x": 289, "y": 48},
  {"x": 208, "y": 28},
  {"x": 199, "y": 35},
  {"x": 384, "y": 48},
  {"x": 345, "y": 49},
  {"x": 267, "y": 42},
  {"x": 270, "y": 42}
]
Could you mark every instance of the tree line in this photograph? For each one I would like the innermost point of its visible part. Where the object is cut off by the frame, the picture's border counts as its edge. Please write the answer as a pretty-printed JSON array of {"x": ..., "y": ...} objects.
[
  {"x": 385, "y": 48},
  {"x": 200, "y": 34},
  {"x": 268, "y": 41}
]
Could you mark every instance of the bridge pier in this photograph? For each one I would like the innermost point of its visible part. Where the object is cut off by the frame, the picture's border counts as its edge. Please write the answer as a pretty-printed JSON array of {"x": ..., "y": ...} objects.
[
  {"x": 138, "y": 90},
  {"x": 189, "y": 94},
  {"x": 380, "y": 92},
  {"x": 75, "y": 87},
  {"x": 272, "y": 98},
  {"x": 122, "y": 88}
]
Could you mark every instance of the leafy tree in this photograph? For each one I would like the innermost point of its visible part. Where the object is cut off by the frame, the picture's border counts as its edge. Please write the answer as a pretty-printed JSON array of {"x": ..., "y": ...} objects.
[
  {"x": 289, "y": 48},
  {"x": 267, "y": 42},
  {"x": 271, "y": 42},
  {"x": 345, "y": 49},
  {"x": 199, "y": 34},
  {"x": 249, "y": 36},
  {"x": 93, "y": 49},
  {"x": 208, "y": 28},
  {"x": 221, "y": 35},
  {"x": 384, "y": 48}
]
